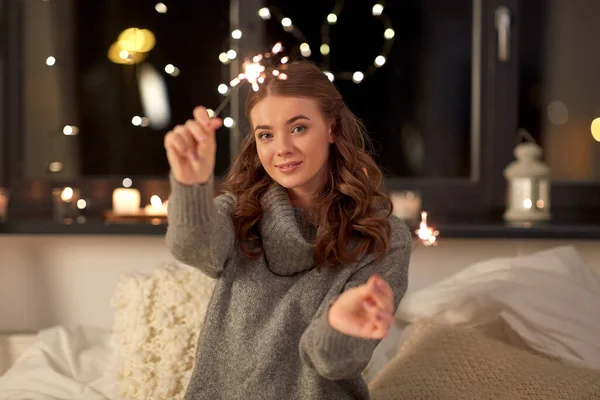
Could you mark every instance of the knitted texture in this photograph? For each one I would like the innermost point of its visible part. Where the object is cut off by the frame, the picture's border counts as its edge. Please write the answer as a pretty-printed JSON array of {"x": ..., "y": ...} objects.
[
  {"x": 157, "y": 322},
  {"x": 266, "y": 334},
  {"x": 439, "y": 361}
]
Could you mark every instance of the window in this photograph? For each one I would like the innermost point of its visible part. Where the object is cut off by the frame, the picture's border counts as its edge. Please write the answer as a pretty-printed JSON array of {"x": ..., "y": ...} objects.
[
  {"x": 558, "y": 94},
  {"x": 79, "y": 79}
]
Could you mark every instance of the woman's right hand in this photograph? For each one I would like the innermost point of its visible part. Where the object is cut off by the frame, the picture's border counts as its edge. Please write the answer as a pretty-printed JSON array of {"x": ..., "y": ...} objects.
[{"x": 191, "y": 148}]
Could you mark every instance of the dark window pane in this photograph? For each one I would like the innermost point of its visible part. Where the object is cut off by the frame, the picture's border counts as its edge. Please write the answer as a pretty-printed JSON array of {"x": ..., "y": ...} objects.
[
  {"x": 122, "y": 109},
  {"x": 560, "y": 84},
  {"x": 417, "y": 106}
]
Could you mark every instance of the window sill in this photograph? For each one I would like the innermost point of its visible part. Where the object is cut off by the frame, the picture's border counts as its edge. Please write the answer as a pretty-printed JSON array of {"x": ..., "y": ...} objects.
[{"x": 477, "y": 230}]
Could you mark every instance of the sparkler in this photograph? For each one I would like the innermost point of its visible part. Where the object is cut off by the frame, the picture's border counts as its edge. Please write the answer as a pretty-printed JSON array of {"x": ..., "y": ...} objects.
[
  {"x": 427, "y": 234},
  {"x": 254, "y": 72}
]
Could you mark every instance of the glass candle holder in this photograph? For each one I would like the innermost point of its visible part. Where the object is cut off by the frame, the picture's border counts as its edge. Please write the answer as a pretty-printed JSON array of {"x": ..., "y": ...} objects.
[
  {"x": 407, "y": 206},
  {"x": 64, "y": 205}
]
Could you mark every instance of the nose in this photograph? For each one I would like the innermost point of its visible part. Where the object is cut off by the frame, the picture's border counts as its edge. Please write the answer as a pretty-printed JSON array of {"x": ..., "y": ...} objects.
[{"x": 285, "y": 145}]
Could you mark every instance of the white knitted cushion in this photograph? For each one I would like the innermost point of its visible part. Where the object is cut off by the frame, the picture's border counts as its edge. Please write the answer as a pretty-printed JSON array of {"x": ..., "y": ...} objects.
[
  {"x": 157, "y": 322},
  {"x": 439, "y": 361}
]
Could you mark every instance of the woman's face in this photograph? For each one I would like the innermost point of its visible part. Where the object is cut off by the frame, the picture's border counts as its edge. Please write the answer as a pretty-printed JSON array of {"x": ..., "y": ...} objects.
[{"x": 292, "y": 142}]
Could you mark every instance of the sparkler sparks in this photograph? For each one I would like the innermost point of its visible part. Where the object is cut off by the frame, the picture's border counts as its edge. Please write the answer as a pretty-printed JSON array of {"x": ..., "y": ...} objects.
[
  {"x": 427, "y": 234},
  {"x": 254, "y": 72}
]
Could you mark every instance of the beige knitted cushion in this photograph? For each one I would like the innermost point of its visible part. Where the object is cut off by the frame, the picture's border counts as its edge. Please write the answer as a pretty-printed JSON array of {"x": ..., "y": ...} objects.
[{"x": 444, "y": 362}]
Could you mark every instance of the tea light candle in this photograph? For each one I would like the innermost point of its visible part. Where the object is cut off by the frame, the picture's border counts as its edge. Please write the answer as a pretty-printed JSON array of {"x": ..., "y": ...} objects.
[
  {"x": 126, "y": 201},
  {"x": 156, "y": 207},
  {"x": 64, "y": 202}
]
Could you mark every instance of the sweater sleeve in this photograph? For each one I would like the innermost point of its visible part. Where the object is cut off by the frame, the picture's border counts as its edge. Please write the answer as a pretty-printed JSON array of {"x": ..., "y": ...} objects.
[
  {"x": 200, "y": 231},
  {"x": 335, "y": 355}
]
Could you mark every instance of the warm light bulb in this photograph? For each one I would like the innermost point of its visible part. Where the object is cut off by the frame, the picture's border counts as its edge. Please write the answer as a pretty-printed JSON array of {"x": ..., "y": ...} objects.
[
  {"x": 377, "y": 9},
  {"x": 305, "y": 50},
  {"x": 231, "y": 54},
  {"x": 527, "y": 203},
  {"x": 324, "y": 49},
  {"x": 81, "y": 204},
  {"x": 329, "y": 76},
  {"x": 223, "y": 58},
  {"x": 357, "y": 77},
  {"x": 171, "y": 70},
  {"x": 55, "y": 166},
  {"x": 236, "y": 34},
  {"x": 127, "y": 182},
  {"x": 136, "y": 121},
  {"x": 286, "y": 22},
  {"x": 379, "y": 61},
  {"x": 70, "y": 130},
  {"x": 332, "y": 19},
  {"x": 389, "y": 33},
  {"x": 228, "y": 122},
  {"x": 223, "y": 88},
  {"x": 277, "y": 48},
  {"x": 50, "y": 61},
  {"x": 160, "y": 8},
  {"x": 264, "y": 13},
  {"x": 596, "y": 129}
]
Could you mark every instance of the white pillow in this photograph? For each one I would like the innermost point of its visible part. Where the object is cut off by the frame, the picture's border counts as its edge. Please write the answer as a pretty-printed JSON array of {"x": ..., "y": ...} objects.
[
  {"x": 549, "y": 299},
  {"x": 157, "y": 322}
]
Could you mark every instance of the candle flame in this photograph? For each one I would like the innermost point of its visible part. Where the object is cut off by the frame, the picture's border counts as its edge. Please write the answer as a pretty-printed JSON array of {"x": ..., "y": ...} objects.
[
  {"x": 66, "y": 194},
  {"x": 156, "y": 201},
  {"x": 427, "y": 235}
]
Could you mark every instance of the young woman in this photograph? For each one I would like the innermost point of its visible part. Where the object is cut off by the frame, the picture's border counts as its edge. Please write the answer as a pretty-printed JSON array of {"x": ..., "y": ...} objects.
[{"x": 309, "y": 262}]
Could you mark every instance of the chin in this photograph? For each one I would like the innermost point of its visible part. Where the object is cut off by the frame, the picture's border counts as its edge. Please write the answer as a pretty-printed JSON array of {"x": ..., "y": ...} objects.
[{"x": 289, "y": 182}]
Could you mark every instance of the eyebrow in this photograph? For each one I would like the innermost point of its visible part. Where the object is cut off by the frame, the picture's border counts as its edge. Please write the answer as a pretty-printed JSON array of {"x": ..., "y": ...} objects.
[{"x": 289, "y": 121}]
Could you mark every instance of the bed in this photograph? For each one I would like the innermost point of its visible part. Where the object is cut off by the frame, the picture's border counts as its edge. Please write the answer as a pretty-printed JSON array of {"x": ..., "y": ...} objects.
[{"x": 515, "y": 306}]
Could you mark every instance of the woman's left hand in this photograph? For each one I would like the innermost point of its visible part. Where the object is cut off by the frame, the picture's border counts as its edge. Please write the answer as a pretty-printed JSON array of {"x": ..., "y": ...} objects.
[{"x": 366, "y": 311}]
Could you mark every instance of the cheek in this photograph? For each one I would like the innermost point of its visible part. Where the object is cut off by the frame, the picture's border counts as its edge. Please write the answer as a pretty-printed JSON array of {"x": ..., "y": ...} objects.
[{"x": 264, "y": 155}]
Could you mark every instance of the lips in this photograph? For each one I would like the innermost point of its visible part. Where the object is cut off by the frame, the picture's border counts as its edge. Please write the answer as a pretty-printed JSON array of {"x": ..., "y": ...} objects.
[{"x": 288, "y": 166}]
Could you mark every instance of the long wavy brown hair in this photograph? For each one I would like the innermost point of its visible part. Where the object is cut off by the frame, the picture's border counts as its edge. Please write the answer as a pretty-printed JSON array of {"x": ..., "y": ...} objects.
[{"x": 350, "y": 209}]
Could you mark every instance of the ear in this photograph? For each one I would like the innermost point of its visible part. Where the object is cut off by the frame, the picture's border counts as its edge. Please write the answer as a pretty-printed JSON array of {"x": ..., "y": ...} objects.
[{"x": 331, "y": 137}]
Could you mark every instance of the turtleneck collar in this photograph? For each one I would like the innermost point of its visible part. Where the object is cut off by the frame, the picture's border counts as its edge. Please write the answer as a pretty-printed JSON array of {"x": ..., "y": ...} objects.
[{"x": 287, "y": 234}]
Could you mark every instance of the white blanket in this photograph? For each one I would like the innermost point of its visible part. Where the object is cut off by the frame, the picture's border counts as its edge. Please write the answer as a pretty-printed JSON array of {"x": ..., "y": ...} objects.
[
  {"x": 63, "y": 363},
  {"x": 550, "y": 299}
]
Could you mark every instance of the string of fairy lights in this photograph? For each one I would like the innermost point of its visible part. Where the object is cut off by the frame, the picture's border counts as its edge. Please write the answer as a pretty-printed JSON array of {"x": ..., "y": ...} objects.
[
  {"x": 305, "y": 50},
  {"x": 267, "y": 13}
]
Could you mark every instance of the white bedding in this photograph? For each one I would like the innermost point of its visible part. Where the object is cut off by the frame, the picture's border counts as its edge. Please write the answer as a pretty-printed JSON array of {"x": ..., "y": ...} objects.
[
  {"x": 63, "y": 363},
  {"x": 547, "y": 300}
]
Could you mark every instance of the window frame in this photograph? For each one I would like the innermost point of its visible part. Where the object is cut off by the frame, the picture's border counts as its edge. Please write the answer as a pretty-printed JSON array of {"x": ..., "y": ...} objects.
[{"x": 482, "y": 195}]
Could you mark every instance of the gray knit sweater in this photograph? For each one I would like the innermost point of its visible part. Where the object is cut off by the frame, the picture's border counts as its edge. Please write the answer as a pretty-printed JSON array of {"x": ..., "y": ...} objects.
[{"x": 266, "y": 333}]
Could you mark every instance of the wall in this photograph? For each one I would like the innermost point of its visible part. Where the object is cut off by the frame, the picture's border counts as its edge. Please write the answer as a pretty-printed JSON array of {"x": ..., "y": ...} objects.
[{"x": 48, "y": 280}]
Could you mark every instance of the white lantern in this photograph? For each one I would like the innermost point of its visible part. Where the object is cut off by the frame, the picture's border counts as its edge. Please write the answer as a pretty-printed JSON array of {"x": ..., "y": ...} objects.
[{"x": 528, "y": 180}]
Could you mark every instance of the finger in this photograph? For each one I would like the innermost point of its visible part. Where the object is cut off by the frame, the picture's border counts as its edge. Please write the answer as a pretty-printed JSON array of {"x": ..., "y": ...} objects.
[
  {"x": 216, "y": 123},
  {"x": 201, "y": 115},
  {"x": 174, "y": 143},
  {"x": 382, "y": 323},
  {"x": 383, "y": 299},
  {"x": 196, "y": 130},
  {"x": 185, "y": 136}
]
